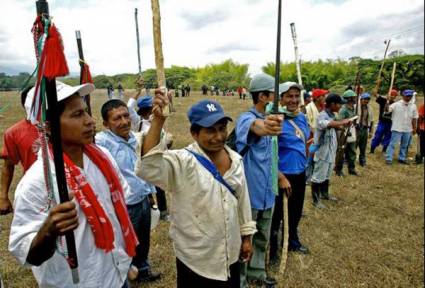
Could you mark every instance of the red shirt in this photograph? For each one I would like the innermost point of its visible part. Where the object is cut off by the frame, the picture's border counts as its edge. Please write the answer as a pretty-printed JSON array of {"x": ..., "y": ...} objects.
[
  {"x": 421, "y": 113},
  {"x": 20, "y": 144}
]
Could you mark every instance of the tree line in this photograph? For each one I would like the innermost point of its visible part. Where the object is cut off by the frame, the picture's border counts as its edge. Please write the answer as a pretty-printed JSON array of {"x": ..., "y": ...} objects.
[{"x": 329, "y": 74}]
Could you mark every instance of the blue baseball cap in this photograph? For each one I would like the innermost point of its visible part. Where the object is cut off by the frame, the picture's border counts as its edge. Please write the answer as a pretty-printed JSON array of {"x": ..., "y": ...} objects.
[
  {"x": 144, "y": 102},
  {"x": 365, "y": 96},
  {"x": 206, "y": 113},
  {"x": 408, "y": 93}
]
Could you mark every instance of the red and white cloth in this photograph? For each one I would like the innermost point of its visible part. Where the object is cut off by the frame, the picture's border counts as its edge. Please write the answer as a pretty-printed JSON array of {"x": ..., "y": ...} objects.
[{"x": 97, "y": 268}]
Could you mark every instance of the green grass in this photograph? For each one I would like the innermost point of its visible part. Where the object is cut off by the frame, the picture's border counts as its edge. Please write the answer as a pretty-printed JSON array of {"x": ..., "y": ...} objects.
[{"x": 373, "y": 237}]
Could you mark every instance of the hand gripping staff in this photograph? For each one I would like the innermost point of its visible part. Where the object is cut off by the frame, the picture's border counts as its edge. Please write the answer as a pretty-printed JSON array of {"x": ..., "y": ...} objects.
[
  {"x": 275, "y": 156},
  {"x": 51, "y": 64},
  {"x": 159, "y": 56}
]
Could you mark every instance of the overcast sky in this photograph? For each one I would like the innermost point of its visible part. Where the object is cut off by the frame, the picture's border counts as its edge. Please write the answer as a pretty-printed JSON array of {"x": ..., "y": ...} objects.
[{"x": 199, "y": 32}]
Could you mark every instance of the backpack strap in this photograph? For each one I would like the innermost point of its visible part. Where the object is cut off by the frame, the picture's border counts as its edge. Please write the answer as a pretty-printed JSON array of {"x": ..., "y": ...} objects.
[
  {"x": 213, "y": 170},
  {"x": 298, "y": 129}
]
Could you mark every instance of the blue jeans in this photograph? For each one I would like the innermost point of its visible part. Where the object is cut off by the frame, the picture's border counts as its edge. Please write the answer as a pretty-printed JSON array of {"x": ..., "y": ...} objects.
[
  {"x": 398, "y": 137},
  {"x": 382, "y": 135},
  {"x": 140, "y": 216}
]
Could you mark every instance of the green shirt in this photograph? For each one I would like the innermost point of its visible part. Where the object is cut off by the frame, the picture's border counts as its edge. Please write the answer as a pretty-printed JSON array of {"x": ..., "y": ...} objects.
[{"x": 346, "y": 112}]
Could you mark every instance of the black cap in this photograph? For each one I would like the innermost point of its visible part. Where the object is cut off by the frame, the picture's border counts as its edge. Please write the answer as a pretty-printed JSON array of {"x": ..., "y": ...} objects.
[{"x": 334, "y": 98}]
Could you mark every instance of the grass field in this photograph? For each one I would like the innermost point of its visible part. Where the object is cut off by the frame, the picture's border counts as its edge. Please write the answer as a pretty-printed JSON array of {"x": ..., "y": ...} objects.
[{"x": 373, "y": 237}]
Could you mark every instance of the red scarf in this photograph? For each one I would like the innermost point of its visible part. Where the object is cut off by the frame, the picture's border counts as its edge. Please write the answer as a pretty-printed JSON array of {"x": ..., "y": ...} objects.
[{"x": 97, "y": 218}]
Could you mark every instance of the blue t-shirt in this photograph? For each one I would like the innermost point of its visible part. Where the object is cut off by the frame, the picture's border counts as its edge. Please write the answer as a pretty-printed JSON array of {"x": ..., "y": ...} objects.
[
  {"x": 257, "y": 161},
  {"x": 292, "y": 153}
]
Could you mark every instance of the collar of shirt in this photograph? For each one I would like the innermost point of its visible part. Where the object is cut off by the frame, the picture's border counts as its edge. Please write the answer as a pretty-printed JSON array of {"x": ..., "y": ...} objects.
[
  {"x": 125, "y": 154},
  {"x": 256, "y": 113}
]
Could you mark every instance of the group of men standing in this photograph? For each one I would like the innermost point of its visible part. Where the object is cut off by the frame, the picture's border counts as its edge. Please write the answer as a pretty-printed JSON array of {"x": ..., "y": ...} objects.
[
  {"x": 227, "y": 205},
  {"x": 111, "y": 94}
]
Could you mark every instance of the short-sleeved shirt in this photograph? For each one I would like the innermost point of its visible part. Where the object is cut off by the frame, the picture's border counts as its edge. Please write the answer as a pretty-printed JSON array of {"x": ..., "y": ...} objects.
[
  {"x": 257, "y": 161},
  {"x": 383, "y": 117},
  {"x": 21, "y": 144},
  {"x": 124, "y": 153},
  {"x": 402, "y": 115},
  {"x": 292, "y": 153}
]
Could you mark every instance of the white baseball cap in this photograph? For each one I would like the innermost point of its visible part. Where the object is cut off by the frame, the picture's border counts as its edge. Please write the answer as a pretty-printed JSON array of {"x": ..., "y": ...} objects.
[{"x": 63, "y": 91}]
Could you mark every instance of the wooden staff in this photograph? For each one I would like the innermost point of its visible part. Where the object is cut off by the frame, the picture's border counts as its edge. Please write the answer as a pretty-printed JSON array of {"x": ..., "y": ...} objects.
[
  {"x": 297, "y": 60},
  {"x": 138, "y": 41},
  {"x": 81, "y": 61},
  {"x": 159, "y": 57},
  {"x": 275, "y": 110},
  {"x": 392, "y": 79},
  {"x": 43, "y": 11},
  {"x": 378, "y": 82}
]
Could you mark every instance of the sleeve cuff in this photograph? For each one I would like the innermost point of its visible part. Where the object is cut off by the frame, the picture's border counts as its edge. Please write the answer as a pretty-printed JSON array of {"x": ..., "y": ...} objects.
[{"x": 248, "y": 228}]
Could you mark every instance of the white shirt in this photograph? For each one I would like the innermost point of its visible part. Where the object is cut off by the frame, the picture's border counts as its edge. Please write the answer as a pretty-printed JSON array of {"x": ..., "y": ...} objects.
[
  {"x": 134, "y": 117},
  {"x": 207, "y": 221},
  {"x": 312, "y": 114},
  {"x": 402, "y": 115},
  {"x": 96, "y": 268}
]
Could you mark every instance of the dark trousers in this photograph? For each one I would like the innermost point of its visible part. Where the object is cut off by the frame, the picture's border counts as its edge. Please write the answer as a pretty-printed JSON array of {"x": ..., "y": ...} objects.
[
  {"x": 186, "y": 278},
  {"x": 363, "y": 134},
  {"x": 161, "y": 199},
  {"x": 295, "y": 209},
  {"x": 140, "y": 216},
  {"x": 422, "y": 143},
  {"x": 382, "y": 135}
]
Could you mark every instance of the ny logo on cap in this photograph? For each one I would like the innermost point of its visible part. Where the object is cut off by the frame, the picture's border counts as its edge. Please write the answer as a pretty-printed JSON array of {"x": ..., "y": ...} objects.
[{"x": 211, "y": 107}]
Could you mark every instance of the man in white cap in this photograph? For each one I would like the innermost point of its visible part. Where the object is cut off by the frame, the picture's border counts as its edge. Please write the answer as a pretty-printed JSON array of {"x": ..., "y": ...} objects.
[
  {"x": 20, "y": 146},
  {"x": 105, "y": 239},
  {"x": 254, "y": 143}
]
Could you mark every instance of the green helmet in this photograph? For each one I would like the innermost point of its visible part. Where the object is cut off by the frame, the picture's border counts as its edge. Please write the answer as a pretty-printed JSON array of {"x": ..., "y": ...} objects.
[
  {"x": 261, "y": 82},
  {"x": 349, "y": 94}
]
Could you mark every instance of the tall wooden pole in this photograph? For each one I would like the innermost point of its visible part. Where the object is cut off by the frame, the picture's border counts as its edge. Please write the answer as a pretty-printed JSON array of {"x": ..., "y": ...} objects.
[
  {"x": 138, "y": 41},
  {"x": 81, "y": 62},
  {"x": 55, "y": 137},
  {"x": 277, "y": 65},
  {"x": 159, "y": 57},
  {"x": 378, "y": 82},
  {"x": 392, "y": 78},
  {"x": 297, "y": 59}
]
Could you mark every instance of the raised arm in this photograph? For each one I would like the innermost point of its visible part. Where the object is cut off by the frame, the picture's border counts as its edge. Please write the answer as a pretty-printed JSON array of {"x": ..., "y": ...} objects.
[{"x": 153, "y": 137}]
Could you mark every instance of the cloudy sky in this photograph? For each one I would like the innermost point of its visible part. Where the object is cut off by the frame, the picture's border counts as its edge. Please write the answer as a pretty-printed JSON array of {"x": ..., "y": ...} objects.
[{"x": 199, "y": 32}]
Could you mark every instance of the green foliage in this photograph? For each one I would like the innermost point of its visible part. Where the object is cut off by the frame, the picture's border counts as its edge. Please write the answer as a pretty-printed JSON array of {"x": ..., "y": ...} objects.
[
  {"x": 334, "y": 74},
  {"x": 330, "y": 74},
  {"x": 226, "y": 75}
]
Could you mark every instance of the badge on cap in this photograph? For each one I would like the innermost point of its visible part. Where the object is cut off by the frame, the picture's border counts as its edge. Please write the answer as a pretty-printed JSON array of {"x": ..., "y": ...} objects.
[{"x": 211, "y": 107}]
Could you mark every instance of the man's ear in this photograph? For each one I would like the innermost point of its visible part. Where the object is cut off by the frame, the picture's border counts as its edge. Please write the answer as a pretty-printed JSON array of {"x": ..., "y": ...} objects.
[
  {"x": 194, "y": 135},
  {"x": 105, "y": 124}
]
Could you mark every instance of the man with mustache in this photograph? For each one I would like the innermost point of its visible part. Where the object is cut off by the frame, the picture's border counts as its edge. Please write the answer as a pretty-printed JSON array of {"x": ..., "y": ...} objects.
[
  {"x": 122, "y": 144},
  {"x": 211, "y": 223}
]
